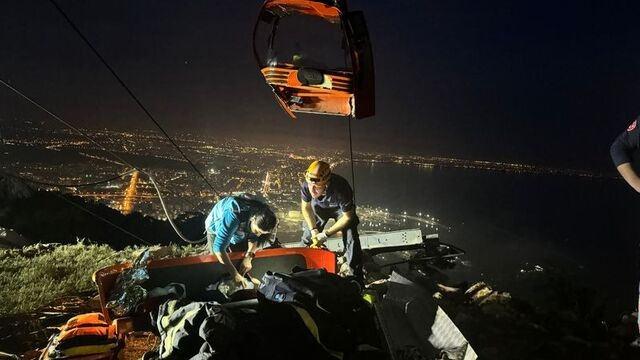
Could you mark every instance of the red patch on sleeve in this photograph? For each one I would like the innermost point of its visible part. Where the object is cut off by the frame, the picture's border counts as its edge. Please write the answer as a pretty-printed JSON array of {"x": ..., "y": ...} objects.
[{"x": 632, "y": 126}]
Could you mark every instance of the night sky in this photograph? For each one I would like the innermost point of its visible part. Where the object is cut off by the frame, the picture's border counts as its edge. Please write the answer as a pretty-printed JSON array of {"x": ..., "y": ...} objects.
[{"x": 545, "y": 82}]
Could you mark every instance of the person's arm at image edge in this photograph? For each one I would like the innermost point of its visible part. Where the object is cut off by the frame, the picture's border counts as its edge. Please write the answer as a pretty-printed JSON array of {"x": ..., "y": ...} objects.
[
  {"x": 629, "y": 175},
  {"x": 621, "y": 151}
]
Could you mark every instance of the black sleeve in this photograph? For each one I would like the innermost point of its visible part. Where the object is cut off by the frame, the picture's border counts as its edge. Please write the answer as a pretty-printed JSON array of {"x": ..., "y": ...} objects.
[{"x": 625, "y": 145}]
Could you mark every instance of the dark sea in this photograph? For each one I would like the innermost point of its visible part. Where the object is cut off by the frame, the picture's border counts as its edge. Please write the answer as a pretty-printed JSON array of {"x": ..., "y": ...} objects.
[{"x": 511, "y": 225}]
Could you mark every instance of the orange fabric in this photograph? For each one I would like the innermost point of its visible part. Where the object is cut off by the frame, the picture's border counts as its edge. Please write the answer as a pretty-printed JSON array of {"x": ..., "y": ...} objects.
[
  {"x": 91, "y": 324},
  {"x": 102, "y": 331},
  {"x": 90, "y": 319},
  {"x": 85, "y": 337}
]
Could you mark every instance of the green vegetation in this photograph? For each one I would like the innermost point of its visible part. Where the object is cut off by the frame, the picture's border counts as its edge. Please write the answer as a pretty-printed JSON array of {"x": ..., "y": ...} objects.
[{"x": 34, "y": 276}]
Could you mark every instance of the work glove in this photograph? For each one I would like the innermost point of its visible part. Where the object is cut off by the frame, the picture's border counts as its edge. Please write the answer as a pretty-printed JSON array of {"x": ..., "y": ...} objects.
[
  {"x": 318, "y": 240},
  {"x": 322, "y": 237},
  {"x": 314, "y": 233}
]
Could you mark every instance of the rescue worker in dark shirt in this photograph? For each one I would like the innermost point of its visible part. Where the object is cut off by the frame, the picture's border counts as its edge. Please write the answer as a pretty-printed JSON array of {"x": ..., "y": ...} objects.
[
  {"x": 623, "y": 150},
  {"x": 327, "y": 196}
]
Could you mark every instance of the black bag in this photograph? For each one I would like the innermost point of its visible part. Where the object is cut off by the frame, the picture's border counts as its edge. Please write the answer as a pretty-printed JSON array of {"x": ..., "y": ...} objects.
[
  {"x": 313, "y": 289},
  {"x": 334, "y": 304}
]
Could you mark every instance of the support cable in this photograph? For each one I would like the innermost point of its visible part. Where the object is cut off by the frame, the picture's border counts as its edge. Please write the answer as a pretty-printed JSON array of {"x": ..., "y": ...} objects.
[
  {"x": 103, "y": 148},
  {"x": 353, "y": 176},
  {"x": 133, "y": 96},
  {"x": 73, "y": 203},
  {"x": 70, "y": 126}
]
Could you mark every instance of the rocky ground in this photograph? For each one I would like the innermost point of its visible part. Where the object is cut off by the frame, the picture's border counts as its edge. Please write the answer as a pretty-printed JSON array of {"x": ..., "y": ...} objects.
[{"x": 501, "y": 327}]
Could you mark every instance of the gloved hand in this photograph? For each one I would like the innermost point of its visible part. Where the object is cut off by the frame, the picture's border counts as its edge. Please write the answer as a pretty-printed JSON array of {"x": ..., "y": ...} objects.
[
  {"x": 322, "y": 237},
  {"x": 314, "y": 233},
  {"x": 319, "y": 240}
]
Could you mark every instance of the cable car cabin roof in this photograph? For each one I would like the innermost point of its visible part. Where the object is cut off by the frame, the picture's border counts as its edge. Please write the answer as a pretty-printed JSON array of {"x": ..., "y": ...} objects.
[
  {"x": 197, "y": 272},
  {"x": 324, "y": 9}
]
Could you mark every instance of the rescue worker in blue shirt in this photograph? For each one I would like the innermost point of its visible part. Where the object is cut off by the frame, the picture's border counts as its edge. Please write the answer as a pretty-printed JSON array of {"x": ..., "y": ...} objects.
[
  {"x": 235, "y": 220},
  {"x": 623, "y": 150},
  {"x": 324, "y": 196}
]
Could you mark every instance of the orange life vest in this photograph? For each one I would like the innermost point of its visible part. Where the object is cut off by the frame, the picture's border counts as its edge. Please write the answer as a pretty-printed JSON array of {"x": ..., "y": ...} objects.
[{"x": 84, "y": 337}]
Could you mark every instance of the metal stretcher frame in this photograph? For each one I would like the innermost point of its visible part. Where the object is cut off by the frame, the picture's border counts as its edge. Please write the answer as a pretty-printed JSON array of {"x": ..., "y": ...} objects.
[{"x": 385, "y": 240}]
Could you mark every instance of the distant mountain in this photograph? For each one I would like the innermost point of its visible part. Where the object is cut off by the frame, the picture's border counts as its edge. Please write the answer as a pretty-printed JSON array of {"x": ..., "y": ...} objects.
[{"x": 44, "y": 216}]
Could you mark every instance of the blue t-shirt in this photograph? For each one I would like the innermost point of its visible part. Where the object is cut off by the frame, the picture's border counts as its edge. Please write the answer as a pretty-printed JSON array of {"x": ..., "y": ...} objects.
[
  {"x": 229, "y": 221},
  {"x": 338, "y": 195}
]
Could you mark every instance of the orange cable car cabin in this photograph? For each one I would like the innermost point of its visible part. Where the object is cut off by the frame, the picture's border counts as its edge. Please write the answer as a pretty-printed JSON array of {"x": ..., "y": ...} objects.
[{"x": 316, "y": 57}]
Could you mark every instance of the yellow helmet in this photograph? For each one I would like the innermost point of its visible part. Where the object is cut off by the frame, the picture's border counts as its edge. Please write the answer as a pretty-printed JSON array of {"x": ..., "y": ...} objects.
[{"x": 318, "y": 172}]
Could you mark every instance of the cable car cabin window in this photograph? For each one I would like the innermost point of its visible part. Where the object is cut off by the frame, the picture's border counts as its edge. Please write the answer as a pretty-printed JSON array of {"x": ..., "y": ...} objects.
[{"x": 301, "y": 41}]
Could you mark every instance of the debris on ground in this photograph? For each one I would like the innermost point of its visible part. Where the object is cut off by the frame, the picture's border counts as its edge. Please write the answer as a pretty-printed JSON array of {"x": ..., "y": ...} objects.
[{"x": 137, "y": 343}]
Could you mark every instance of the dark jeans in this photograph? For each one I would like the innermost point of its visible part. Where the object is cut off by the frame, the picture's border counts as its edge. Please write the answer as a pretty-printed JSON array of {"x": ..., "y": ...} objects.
[{"x": 350, "y": 238}]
